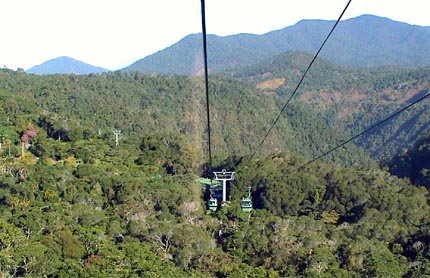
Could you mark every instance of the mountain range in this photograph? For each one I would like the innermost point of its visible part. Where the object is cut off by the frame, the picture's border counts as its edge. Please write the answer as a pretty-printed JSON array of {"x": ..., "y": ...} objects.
[{"x": 363, "y": 41}]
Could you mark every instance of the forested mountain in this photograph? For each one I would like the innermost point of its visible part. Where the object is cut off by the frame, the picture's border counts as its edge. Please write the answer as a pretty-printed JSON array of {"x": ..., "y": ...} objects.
[
  {"x": 350, "y": 99},
  {"x": 75, "y": 202},
  {"x": 65, "y": 65},
  {"x": 71, "y": 107},
  {"x": 413, "y": 163},
  {"x": 363, "y": 41}
]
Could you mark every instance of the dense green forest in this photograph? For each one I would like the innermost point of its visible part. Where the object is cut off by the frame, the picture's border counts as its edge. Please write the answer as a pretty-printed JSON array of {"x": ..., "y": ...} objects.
[
  {"x": 71, "y": 107},
  {"x": 350, "y": 99},
  {"x": 413, "y": 164},
  {"x": 74, "y": 203}
]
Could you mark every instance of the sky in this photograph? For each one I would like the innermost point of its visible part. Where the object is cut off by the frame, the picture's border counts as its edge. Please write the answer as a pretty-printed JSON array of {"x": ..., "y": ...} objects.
[{"x": 115, "y": 33}]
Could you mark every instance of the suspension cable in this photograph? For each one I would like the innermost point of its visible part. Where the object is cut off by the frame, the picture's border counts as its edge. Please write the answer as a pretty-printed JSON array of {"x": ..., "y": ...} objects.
[
  {"x": 205, "y": 56},
  {"x": 301, "y": 80},
  {"x": 362, "y": 133}
]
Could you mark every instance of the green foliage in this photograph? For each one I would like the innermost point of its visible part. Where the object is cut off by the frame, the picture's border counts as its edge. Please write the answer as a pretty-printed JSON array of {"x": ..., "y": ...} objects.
[
  {"x": 72, "y": 247},
  {"x": 75, "y": 204},
  {"x": 169, "y": 151},
  {"x": 413, "y": 164},
  {"x": 347, "y": 99},
  {"x": 75, "y": 108}
]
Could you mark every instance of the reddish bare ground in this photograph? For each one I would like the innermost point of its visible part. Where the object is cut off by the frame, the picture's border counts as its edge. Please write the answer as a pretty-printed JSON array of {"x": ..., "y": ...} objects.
[{"x": 271, "y": 84}]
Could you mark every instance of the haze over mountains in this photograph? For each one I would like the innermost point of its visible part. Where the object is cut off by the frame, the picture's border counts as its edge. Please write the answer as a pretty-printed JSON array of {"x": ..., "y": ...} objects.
[{"x": 366, "y": 40}]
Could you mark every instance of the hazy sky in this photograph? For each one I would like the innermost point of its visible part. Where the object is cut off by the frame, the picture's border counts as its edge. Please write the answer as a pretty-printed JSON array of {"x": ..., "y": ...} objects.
[{"x": 114, "y": 33}]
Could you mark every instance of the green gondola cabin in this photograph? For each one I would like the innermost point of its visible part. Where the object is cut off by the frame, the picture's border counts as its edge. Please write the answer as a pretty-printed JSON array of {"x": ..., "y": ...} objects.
[{"x": 212, "y": 204}]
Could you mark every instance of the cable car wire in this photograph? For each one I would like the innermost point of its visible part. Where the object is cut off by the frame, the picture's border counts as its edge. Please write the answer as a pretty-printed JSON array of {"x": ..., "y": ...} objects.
[
  {"x": 301, "y": 80},
  {"x": 398, "y": 112},
  {"x": 205, "y": 56}
]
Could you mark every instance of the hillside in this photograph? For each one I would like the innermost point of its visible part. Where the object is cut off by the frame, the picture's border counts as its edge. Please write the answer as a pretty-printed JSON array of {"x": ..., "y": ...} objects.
[
  {"x": 72, "y": 107},
  {"x": 76, "y": 204},
  {"x": 84, "y": 207},
  {"x": 332, "y": 98},
  {"x": 363, "y": 41},
  {"x": 65, "y": 65},
  {"x": 350, "y": 99},
  {"x": 412, "y": 163}
]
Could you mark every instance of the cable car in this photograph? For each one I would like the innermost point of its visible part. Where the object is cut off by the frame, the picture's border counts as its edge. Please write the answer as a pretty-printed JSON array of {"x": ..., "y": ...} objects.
[
  {"x": 212, "y": 204},
  {"x": 213, "y": 201},
  {"x": 246, "y": 202}
]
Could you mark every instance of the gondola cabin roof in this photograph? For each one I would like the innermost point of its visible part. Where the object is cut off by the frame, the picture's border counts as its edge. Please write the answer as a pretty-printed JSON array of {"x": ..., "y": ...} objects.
[{"x": 210, "y": 182}]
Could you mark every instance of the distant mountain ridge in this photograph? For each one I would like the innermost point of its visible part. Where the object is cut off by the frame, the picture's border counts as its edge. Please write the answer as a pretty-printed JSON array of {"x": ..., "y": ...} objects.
[
  {"x": 65, "y": 65},
  {"x": 366, "y": 40}
]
